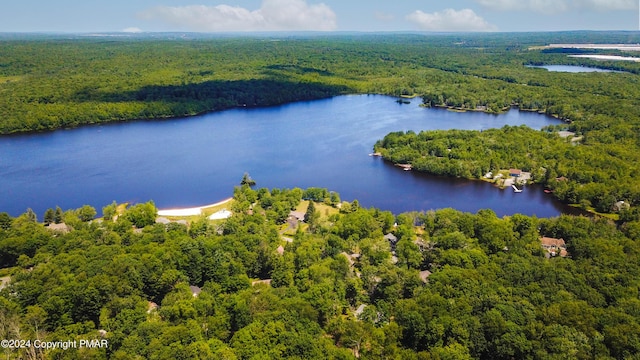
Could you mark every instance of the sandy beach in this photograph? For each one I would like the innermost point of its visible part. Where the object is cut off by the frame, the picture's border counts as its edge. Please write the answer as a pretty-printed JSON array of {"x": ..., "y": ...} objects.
[{"x": 194, "y": 211}]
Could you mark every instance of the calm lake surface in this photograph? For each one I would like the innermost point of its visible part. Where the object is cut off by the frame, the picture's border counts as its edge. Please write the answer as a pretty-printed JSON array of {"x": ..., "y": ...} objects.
[
  {"x": 571, "y": 68},
  {"x": 198, "y": 160}
]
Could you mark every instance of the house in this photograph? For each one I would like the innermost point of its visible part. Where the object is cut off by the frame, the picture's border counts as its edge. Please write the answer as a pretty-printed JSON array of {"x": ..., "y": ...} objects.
[
  {"x": 620, "y": 205},
  {"x": 392, "y": 240},
  {"x": 151, "y": 307},
  {"x": 351, "y": 258},
  {"x": 280, "y": 250},
  {"x": 554, "y": 246},
  {"x": 195, "y": 291},
  {"x": 296, "y": 215},
  {"x": 423, "y": 245},
  {"x": 515, "y": 172},
  {"x": 424, "y": 275},
  {"x": 59, "y": 228},
  {"x": 265, "y": 282}
]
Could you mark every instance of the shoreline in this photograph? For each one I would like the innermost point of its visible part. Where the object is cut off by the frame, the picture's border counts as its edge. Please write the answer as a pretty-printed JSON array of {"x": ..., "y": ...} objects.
[
  {"x": 191, "y": 211},
  {"x": 167, "y": 117}
]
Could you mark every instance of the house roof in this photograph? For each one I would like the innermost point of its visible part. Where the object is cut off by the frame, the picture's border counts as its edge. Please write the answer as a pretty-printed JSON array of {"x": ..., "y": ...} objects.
[
  {"x": 552, "y": 242},
  {"x": 280, "y": 250},
  {"x": 256, "y": 282},
  {"x": 62, "y": 227},
  {"x": 515, "y": 171},
  {"x": 151, "y": 306},
  {"x": 424, "y": 275},
  {"x": 297, "y": 214},
  {"x": 391, "y": 237},
  {"x": 351, "y": 257},
  {"x": 195, "y": 291}
]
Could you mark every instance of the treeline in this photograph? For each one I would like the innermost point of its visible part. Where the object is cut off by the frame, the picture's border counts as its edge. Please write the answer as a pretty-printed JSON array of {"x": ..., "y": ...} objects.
[
  {"x": 53, "y": 83},
  {"x": 592, "y": 175},
  {"x": 445, "y": 285}
]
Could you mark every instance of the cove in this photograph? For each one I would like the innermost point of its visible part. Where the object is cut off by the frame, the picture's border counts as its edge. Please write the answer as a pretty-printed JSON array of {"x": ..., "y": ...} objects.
[{"x": 195, "y": 161}]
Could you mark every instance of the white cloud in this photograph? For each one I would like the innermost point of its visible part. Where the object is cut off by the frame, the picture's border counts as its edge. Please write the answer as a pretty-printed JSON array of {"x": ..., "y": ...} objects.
[
  {"x": 273, "y": 15},
  {"x": 558, "y": 6},
  {"x": 450, "y": 20},
  {"x": 132, "y": 30}
]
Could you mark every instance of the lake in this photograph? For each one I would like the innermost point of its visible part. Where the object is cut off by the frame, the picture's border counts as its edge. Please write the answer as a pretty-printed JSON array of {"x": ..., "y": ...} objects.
[
  {"x": 571, "y": 68},
  {"x": 198, "y": 160}
]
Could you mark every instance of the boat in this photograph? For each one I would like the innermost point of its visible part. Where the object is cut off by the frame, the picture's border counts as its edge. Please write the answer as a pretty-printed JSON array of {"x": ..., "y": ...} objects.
[{"x": 515, "y": 189}]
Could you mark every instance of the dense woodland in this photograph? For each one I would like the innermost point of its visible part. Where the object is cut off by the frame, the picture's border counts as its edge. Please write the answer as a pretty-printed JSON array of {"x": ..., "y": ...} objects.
[
  {"x": 49, "y": 83},
  {"x": 336, "y": 289},
  {"x": 492, "y": 292}
]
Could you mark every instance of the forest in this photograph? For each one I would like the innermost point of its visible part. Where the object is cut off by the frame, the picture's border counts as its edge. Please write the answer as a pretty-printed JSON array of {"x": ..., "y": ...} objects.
[
  {"x": 346, "y": 282},
  {"x": 49, "y": 82}
]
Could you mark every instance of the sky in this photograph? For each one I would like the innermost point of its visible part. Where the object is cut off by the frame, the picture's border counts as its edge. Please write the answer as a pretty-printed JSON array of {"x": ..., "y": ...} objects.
[{"x": 87, "y": 16}]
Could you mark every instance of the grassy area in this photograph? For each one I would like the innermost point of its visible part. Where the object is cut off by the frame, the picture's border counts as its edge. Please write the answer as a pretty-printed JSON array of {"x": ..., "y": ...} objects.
[
  {"x": 324, "y": 209},
  {"x": 592, "y": 210}
]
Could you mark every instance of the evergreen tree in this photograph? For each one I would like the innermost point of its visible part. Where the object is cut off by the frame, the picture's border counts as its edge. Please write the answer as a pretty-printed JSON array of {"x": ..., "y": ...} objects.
[
  {"x": 311, "y": 216},
  {"x": 57, "y": 218},
  {"x": 31, "y": 215},
  {"x": 49, "y": 216},
  {"x": 247, "y": 180},
  {"x": 5, "y": 221}
]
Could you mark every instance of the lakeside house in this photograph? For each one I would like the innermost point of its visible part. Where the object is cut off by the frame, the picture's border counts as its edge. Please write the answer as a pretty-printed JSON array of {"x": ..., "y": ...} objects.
[
  {"x": 515, "y": 172},
  {"x": 554, "y": 247},
  {"x": 58, "y": 228},
  {"x": 620, "y": 206}
]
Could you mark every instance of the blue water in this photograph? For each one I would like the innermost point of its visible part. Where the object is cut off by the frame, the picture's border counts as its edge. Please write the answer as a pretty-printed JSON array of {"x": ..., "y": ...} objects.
[
  {"x": 571, "y": 68},
  {"x": 196, "y": 161}
]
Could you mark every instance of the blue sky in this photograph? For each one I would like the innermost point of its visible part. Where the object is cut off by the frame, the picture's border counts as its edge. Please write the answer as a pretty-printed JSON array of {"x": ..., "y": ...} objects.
[{"x": 316, "y": 15}]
